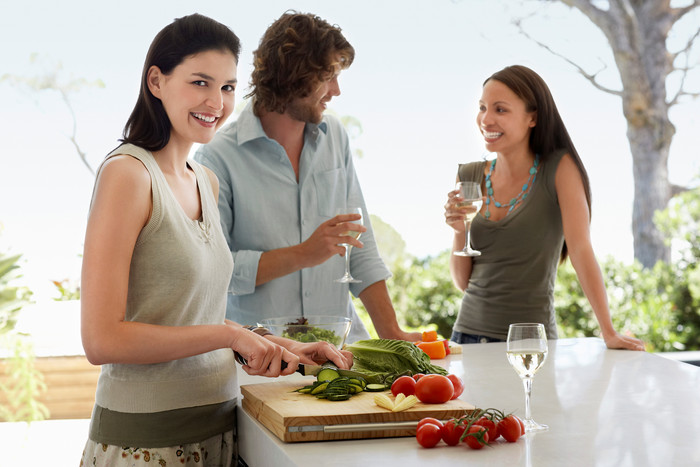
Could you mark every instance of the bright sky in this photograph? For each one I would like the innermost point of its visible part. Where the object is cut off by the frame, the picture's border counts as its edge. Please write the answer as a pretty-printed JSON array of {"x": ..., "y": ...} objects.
[{"x": 414, "y": 86}]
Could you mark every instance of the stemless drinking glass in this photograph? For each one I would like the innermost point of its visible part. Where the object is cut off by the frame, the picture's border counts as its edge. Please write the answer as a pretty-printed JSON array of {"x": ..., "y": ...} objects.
[
  {"x": 347, "y": 278},
  {"x": 526, "y": 349},
  {"x": 469, "y": 196}
]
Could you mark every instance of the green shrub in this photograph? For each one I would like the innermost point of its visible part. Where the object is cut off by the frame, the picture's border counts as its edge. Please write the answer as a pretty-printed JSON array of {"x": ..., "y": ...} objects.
[{"x": 21, "y": 383}]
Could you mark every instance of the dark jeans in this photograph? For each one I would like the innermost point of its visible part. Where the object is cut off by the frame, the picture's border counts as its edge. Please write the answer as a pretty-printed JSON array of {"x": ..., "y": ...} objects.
[{"x": 462, "y": 338}]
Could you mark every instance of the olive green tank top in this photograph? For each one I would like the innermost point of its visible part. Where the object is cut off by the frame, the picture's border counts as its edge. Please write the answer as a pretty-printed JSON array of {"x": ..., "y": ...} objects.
[{"x": 513, "y": 279}]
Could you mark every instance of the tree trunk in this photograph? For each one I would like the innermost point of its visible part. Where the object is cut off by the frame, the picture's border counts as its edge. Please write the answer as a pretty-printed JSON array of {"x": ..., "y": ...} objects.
[{"x": 637, "y": 32}]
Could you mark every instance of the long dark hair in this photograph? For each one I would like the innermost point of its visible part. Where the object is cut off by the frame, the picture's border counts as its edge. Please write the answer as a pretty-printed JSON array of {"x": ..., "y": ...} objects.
[
  {"x": 149, "y": 125},
  {"x": 296, "y": 52},
  {"x": 549, "y": 135}
]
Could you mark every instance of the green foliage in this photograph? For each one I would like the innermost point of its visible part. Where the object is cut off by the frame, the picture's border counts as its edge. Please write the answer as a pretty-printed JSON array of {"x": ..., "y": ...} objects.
[
  {"x": 20, "y": 382},
  {"x": 67, "y": 289},
  {"x": 424, "y": 292},
  {"x": 420, "y": 289},
  {"x": 641, "y": 303}
]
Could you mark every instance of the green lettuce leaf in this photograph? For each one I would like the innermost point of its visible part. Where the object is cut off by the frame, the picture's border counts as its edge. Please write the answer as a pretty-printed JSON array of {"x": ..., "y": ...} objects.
[{"x": 391, "y": 358}]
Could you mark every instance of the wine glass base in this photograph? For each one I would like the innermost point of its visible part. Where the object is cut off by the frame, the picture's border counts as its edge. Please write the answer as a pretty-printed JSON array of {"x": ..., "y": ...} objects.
[
  {"x": 532, "y": 426},
  {"x": 467, "y": 253}
]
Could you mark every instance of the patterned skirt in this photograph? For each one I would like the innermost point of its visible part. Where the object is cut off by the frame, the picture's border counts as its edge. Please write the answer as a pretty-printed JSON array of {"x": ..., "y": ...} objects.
[{"x": 218, "y": 451}]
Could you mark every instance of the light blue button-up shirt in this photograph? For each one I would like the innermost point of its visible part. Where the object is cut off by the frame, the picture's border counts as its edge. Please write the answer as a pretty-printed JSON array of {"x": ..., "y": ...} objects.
[{"x": 263, "y": 207}]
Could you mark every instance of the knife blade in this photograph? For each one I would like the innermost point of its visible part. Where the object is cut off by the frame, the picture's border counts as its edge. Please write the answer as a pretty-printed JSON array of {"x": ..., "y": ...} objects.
[{"x": 313, "y": 370}]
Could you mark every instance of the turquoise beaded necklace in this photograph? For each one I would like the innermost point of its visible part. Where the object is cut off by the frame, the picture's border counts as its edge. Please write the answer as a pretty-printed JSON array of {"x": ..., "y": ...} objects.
[{"x": 514, "y": 201}]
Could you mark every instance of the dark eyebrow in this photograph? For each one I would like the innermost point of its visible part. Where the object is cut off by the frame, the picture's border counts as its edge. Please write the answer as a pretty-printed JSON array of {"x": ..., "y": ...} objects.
[
  {"x": 496, "y": 103},
  {"x": 207, "y": 77}
]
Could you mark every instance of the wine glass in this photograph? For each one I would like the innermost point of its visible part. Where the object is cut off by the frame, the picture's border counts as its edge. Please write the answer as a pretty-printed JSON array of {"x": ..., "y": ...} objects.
[
  {"x": 526, "y": 351},
  {"x": 469, "y": 197},
  {"x": 347, "y": 278}
]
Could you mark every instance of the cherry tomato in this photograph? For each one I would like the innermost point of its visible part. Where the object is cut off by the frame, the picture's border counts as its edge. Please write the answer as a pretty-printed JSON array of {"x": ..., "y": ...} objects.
[
  {"x": 475, "y": 440},
  {"x": 458, "y": 385},
  {"x": 490, "y": 425},
  {"x": 434, "y": 389},
  {"x": 403, "y": 385},
  {"x": 522, "y": 425},
  {"x": 428, "y": 435},
  {"x": 451, "y": 432},
  {"x": 432, "y": 420},
  {"x": 510, "y": 428},
  {"x": 418, "y": 376}
]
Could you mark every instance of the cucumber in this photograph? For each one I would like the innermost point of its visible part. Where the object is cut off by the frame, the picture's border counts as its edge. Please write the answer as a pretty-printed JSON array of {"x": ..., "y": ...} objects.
[
  {"x": 374, "y": 387},
  {"x": 319, "y": 388},
  {"x": 339, "y": 397},
  {"x": 327, "y": 374}
]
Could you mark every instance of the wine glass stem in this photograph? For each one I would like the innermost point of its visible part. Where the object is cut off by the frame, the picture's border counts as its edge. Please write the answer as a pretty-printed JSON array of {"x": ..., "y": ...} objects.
[
  {"x": 467, "y": 235},
  {"x": 527, "y": 385},
  {"x": 347, "y": 260}
]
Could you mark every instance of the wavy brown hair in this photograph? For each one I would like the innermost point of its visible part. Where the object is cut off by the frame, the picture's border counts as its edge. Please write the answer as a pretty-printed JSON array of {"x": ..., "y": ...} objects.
[
  {"x": 549, "y": 135},
  {"x": 296, "y": 52}
]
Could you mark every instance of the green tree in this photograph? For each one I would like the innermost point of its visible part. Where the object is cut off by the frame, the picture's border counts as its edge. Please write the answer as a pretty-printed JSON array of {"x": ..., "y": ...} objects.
[{"x": 654, "y": 77}]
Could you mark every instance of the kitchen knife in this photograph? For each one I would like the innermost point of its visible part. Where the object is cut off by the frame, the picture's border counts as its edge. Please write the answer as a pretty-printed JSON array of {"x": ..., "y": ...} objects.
[{"x": 313, "y": 370}]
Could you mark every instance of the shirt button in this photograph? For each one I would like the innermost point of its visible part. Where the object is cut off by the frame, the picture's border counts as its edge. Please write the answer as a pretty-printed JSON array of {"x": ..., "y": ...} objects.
[{"x": 307, "y": 294}]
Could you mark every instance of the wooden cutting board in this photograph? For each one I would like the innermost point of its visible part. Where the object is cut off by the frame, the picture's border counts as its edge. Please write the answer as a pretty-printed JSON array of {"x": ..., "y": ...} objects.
[{"x": 294, "y": 417}]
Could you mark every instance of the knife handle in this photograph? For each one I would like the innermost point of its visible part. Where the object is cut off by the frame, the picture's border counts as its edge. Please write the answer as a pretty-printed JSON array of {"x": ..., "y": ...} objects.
[{"x": 240, "y": 359}]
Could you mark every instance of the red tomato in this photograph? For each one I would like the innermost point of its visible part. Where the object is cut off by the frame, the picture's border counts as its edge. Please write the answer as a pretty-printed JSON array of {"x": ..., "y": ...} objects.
[
  {"x": 477, "y": 436},
  {"x": 458, "y": 385},
  {"x": 434, "y": 389},
  {"x": 510, "y": 429},
  {"x": 451, "y": 432},
  {"x": 522, "y": 425},
  {"x": 446, "y": 343},
  {"x": 418, "y": 376},
  {"x": 403, "y": 385},
  {"x": 428, "y": 435},
  {"x": 490, "y": 425},
  {"x": 432, "y": 420}
]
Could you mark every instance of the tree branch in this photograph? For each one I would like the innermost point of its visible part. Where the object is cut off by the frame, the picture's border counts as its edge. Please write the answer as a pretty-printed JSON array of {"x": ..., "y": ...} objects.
[
  {"x": 687, "y": 68},
  {"x": 595, "y": 14},
  {"x": 73, "y": 137},
  {"x": 678, "y": 189},
  {"x": 590, "y": 77},
  {"x": 678, "y": 13}
]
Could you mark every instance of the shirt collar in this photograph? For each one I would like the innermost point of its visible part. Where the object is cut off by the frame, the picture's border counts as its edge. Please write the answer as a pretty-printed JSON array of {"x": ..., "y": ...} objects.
[{"x": 250, "y": 128}]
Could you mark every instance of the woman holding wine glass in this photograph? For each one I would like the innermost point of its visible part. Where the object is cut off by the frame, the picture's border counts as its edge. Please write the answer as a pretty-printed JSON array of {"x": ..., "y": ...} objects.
[{"x": 535, "y": 213}]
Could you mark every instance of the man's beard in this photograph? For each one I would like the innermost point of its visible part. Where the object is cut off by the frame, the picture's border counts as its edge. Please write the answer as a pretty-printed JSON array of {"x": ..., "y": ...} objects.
[{"x": 302, "y": 111}]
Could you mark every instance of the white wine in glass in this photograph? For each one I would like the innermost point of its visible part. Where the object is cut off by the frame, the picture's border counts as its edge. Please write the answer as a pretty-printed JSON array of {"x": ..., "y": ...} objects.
[
  {"x": 347, "y": 277},
  {"x": 469, "y": 196},
  {"x": 526, "y": 349}
]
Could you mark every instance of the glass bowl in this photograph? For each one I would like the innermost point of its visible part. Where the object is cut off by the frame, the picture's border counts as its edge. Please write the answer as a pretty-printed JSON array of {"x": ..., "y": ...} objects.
[{"x": 332, "y": 329}]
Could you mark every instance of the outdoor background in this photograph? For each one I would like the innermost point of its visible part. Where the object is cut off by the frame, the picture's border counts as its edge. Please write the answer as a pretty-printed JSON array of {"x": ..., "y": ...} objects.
[{"x": 414, "y": 88}]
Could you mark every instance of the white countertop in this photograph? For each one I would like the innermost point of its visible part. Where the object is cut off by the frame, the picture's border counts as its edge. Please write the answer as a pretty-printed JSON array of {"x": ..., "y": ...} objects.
[{"x": 603, "y": 407}]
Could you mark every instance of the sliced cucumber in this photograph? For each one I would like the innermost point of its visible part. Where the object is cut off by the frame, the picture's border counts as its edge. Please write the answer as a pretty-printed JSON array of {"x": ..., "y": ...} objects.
[
  {"x": 375, "y": 387},
  {"x": 319, "y": 388},
  {"x": 339, "y": 397},
  {"x": 327, "y": 374}
]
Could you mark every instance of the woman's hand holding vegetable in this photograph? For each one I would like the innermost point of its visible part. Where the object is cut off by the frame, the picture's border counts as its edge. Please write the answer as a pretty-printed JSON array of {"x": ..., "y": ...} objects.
[{"x": 316, "y": 353}]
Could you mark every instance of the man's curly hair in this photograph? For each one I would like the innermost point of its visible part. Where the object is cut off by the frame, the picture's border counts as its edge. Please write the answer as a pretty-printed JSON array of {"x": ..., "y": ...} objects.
[{"x": 296, "y": 52}]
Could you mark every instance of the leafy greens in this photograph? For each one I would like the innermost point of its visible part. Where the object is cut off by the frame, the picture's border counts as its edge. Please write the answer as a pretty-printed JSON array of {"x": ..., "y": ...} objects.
[{"x": 391, "y": 358}]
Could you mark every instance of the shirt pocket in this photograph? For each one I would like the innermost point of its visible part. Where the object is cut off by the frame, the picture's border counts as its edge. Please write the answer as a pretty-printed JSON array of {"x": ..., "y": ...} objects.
[{"x": 331, "y": 191}]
